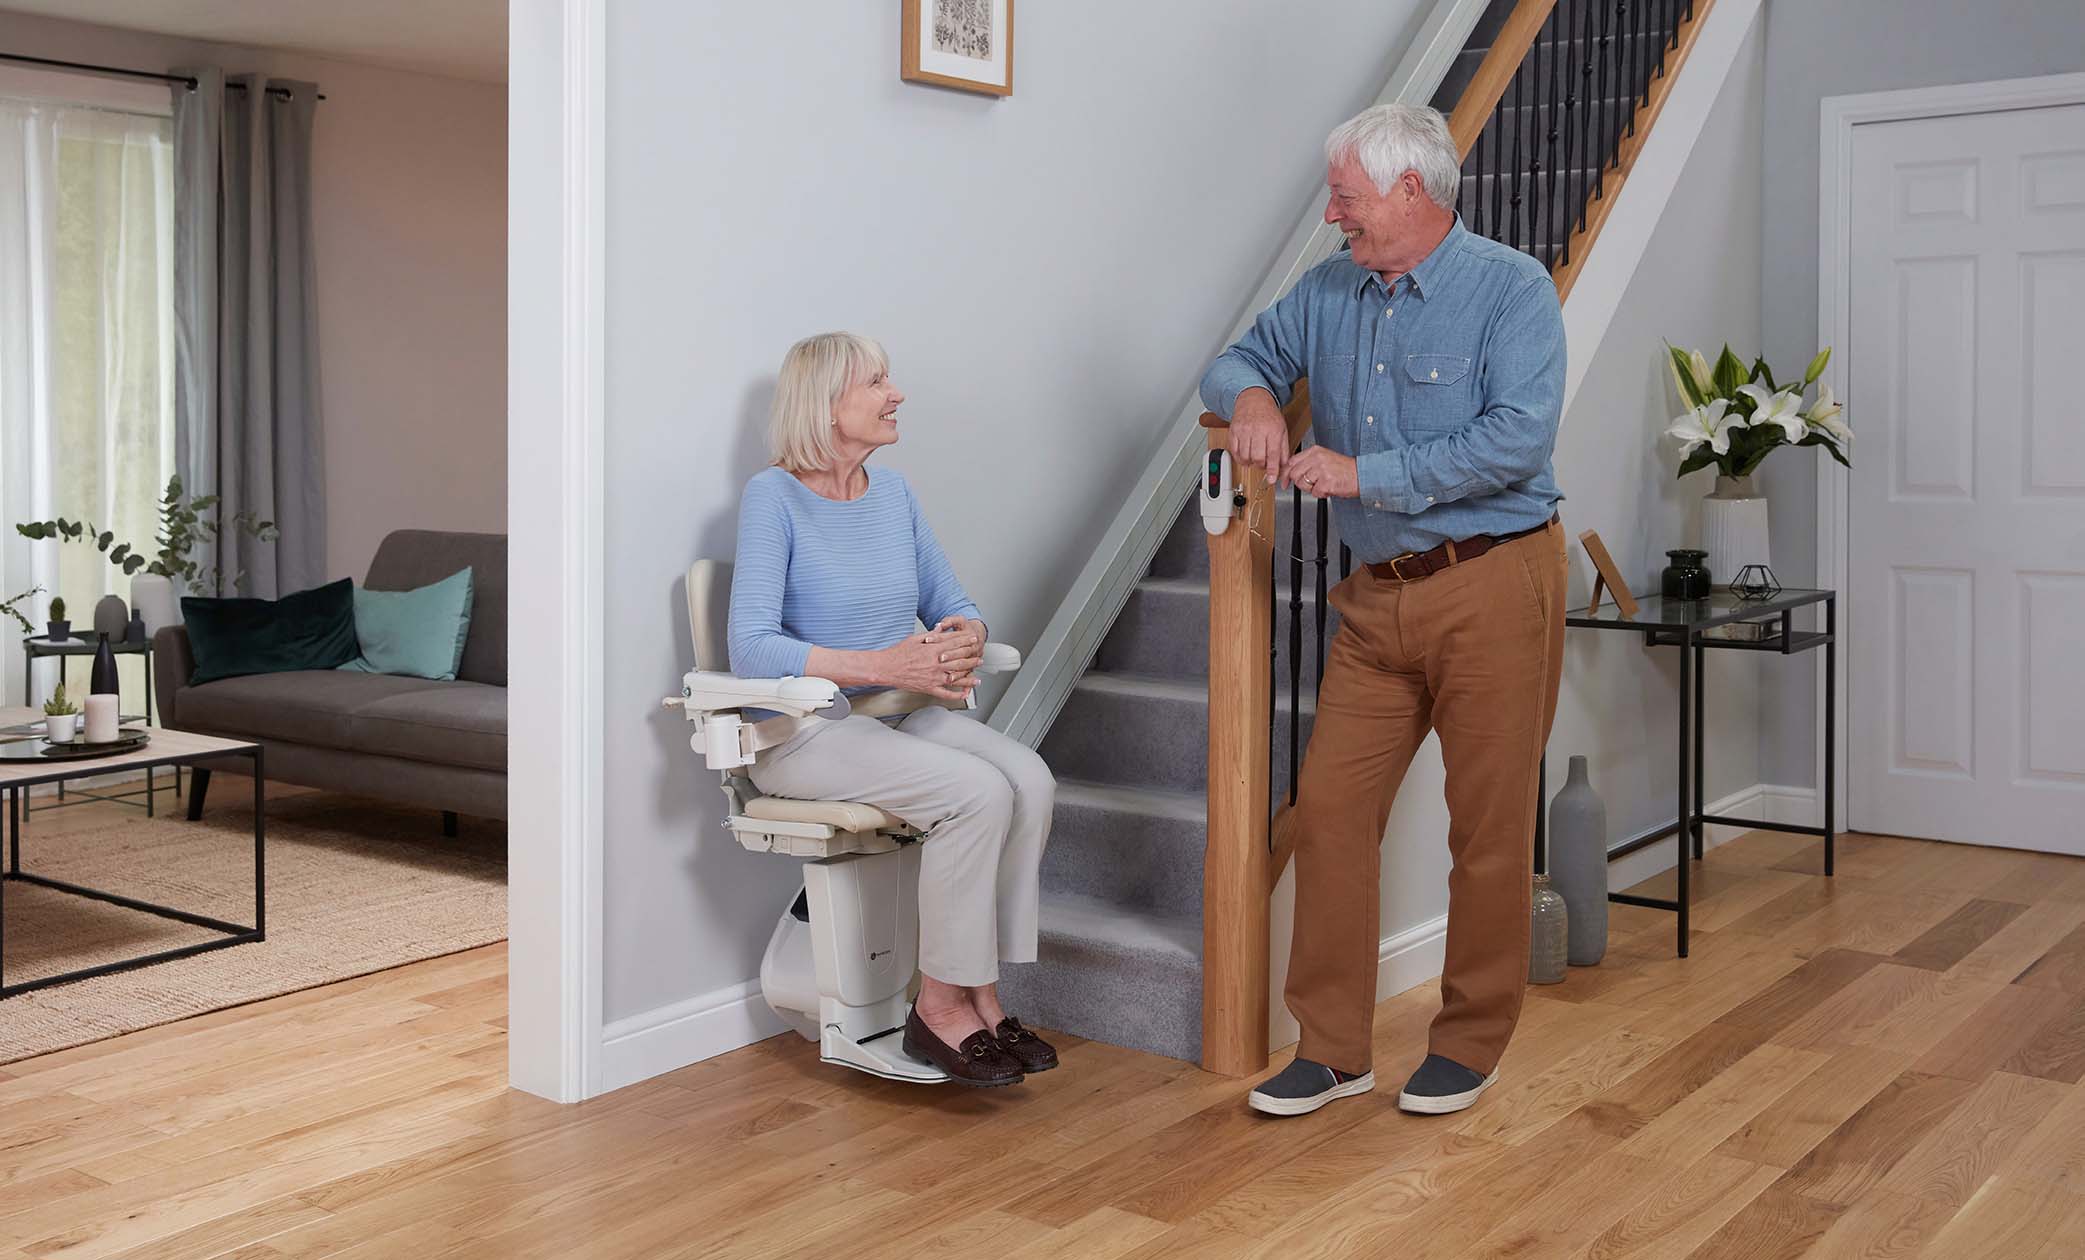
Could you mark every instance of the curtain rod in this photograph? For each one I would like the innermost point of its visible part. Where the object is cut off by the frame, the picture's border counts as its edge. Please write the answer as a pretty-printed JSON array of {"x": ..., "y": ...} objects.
[{"x": 187, "y": 81}]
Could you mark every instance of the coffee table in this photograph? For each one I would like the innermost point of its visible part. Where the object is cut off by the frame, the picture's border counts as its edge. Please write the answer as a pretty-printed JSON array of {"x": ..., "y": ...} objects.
[{"x": 166, "y": 748}]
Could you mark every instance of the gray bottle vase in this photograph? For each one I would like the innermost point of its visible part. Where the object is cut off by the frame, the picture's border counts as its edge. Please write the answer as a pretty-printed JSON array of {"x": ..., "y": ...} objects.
[{"x": 1578, "y": 863}]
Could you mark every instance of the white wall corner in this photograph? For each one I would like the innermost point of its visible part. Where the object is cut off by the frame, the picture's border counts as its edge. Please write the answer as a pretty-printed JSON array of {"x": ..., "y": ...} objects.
[
  {"x": 702, "y": 1027},
  {"x": 556, "y": 397},
  {"x": 1640, "y": 203}
]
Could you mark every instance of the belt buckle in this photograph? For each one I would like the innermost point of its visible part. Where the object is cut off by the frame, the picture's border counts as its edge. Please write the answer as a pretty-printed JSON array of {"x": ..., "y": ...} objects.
[{"x": 1398, "y": 573}]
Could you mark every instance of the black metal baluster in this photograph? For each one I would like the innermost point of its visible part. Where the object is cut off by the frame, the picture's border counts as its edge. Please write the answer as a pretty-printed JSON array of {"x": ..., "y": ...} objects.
[
  {"x": 1324, "y": 529},
  {"x": 1601, "y": 109},
  {"x": 1498, "y": 186},
  {"x": 1295, "y": 634},
  {"x": 1519, "y": 162},
  {"x": 1554, "y": 55},
  {"x": 1586, "y": 163}
]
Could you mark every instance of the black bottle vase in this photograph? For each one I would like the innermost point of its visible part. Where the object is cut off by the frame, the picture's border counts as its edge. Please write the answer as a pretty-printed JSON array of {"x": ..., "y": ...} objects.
[{"x": 103, "y": 680}]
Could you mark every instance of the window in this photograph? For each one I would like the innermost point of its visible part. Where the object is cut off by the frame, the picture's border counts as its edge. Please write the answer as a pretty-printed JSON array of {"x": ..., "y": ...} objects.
[{"x": 86, "y": 344}]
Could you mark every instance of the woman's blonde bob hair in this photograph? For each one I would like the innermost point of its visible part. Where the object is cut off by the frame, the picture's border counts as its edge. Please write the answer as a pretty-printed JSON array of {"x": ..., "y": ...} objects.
[{"x": 815, "y": 372}]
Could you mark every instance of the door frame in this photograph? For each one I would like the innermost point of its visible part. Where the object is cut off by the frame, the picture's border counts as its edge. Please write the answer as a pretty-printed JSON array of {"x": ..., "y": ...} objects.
[
  {"x": 556, "y": 412},
  {"x": 1839, "y": 116}
]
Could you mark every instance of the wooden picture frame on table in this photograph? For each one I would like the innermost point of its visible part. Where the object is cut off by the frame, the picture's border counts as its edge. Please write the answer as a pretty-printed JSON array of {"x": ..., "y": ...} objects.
[
  {"x": 1606, "y": 574},
  {"x": 963, "y": 44}
]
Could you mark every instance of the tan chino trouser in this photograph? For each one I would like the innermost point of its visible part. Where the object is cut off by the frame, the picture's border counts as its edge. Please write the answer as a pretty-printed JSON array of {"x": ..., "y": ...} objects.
[{"x": 1475, "y": 653}]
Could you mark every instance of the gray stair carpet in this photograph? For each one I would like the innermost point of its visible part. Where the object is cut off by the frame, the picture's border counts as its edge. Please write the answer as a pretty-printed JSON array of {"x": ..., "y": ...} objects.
[{"x": 1122, "y": 877}]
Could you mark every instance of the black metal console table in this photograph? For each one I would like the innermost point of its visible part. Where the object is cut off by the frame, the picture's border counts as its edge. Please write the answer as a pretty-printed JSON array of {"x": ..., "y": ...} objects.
[{"x": 1686, "y": 624}]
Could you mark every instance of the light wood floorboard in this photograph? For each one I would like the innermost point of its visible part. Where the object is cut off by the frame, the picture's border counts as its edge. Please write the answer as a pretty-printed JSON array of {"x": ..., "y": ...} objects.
[{"x": 1886, "y": 1064}]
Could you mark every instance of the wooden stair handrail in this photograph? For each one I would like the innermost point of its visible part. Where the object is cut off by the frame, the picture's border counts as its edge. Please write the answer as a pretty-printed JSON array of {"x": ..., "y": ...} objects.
[
  {"x": 1581, "y": 241},
  {"x": 1495, "y": 73}
]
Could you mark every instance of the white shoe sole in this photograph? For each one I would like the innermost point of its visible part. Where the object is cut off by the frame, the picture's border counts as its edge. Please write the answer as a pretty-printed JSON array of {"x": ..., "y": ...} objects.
[
  {"x": 1441, "y": 1105},
  {"x": 1304, "y": 1106}
]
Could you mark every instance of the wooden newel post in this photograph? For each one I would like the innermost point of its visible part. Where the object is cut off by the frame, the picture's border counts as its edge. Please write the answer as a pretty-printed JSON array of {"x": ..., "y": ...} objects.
[{"x": 1234, "y": 868}]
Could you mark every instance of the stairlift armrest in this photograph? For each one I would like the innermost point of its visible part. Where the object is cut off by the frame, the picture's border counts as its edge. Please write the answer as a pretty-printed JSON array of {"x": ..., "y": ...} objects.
[
  {"x": 1000, "y": 658},
  {"x": 707, "y": 691}
]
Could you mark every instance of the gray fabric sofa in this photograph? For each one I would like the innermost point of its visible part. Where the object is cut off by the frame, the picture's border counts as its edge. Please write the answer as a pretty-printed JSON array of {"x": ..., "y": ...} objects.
[{"x": 440, "y": 745}]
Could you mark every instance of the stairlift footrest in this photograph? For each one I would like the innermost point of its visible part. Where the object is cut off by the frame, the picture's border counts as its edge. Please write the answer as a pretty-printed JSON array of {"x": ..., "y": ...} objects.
[{"x": 881, "y": 1055}]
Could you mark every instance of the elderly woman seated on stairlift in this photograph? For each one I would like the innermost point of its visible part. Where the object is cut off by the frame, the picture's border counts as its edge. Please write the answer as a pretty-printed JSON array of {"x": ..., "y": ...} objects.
[{"x": 835, "y": 562}]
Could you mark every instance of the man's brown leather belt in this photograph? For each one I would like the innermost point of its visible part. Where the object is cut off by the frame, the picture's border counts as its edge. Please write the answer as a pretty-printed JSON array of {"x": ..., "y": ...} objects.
[{"x": 1413, "y": 565}]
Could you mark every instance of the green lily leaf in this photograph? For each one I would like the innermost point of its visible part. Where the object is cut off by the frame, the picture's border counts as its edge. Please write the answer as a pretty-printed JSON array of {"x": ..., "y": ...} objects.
[
  {"x": 1729, "y": 373},
  {"x": 1761, "y": 372},
  {"x": 1682, "y": 376}
]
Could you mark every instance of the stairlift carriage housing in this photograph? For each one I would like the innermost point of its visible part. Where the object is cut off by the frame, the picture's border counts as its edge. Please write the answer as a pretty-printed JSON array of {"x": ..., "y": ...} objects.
[{"x": 840, "y": 965}]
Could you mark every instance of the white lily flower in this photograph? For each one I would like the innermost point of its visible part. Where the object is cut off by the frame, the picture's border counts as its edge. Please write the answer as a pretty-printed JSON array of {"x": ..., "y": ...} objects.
[
  {"x": 1704, "y": 380},
  {"x": 1784, "y": 409},
  {"x": 1824, "y": 414},
  {"x": 1712, "y": 423}
]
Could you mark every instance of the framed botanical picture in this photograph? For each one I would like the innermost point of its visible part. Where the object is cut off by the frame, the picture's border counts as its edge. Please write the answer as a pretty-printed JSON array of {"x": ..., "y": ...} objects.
[{"x": 966, "y": 44}]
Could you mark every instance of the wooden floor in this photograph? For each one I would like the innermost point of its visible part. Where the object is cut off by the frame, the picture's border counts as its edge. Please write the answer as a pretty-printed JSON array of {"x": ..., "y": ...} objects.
[{"x": 1886, "y": 1064}]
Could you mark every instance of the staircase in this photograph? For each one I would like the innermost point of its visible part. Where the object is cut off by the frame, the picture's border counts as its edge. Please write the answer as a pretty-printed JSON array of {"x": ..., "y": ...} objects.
[
  {"x": 1122, "y": 877},
  {"x": 1549, "y": 101}
]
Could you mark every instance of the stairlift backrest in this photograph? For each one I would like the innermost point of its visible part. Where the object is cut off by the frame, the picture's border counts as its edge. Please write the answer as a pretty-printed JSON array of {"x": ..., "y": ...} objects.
[{"x": 709, "y": 614}]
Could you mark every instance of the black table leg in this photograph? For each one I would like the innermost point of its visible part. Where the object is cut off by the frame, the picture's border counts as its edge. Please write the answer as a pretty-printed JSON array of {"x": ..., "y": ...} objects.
[
  {"x": 260, "y": 836},
  {"x": 1831, "y": 713},
  {"x": 1685, "y": 814},
  {"x": 1696, "y": 827}
]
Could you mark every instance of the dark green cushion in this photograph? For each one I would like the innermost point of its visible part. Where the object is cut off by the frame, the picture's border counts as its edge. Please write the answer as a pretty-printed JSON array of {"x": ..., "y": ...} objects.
[{"x": 312, "y": 629}]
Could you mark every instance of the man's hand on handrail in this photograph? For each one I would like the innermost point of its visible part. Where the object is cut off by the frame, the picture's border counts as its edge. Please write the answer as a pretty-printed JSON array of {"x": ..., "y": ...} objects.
[{"x": 1259, "y": 434}]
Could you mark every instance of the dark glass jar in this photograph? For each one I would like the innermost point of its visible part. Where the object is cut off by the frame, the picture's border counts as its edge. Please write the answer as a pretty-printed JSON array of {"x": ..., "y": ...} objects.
[{"x": 1686, "y": 577}]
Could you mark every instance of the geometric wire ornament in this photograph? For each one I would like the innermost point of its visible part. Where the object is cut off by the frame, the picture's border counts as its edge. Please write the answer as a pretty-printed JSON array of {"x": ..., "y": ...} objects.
[{"x": 1755, "y": 581}]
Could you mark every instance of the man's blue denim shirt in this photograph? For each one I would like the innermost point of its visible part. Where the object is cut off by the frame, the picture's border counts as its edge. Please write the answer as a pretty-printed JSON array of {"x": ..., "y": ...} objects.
[{"x": 1446, "y": 388}]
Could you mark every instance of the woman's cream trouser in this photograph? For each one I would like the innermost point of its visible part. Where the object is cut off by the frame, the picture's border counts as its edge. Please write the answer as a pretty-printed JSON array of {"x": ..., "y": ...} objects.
[{"x": 984, "y": 801}]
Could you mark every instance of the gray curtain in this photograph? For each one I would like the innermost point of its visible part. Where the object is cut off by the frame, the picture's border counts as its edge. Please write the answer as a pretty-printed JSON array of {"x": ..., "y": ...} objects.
[{"x": 247, "y": 424}]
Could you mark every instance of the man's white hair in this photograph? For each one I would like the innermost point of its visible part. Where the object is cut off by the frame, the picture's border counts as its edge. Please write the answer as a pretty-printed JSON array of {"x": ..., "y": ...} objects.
[{"x": 1388, "y": 140}]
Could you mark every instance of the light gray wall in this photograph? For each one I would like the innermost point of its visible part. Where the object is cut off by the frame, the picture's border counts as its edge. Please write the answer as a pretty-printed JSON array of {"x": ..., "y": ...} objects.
[
  {"x": 1819, "y": 48},
  {"x": 1050, "y": 273},
  {"x": 409, "y": 218},
  {"x": 1697, "y": 285}
]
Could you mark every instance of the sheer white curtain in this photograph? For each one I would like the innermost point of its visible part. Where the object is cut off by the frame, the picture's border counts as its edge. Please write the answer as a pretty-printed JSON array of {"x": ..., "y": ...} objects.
[{"x": 86, "y": 354}]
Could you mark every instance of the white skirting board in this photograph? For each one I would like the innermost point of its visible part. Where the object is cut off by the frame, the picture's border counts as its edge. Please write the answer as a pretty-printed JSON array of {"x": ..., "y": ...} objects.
[
  {"x": 703, "y": 1027},
  {"x": 656, "y": 1042}
]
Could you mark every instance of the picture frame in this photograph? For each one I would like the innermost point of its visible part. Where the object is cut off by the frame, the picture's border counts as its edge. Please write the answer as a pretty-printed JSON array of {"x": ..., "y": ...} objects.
[
  {"x": 1606, "y": 575},
  {"x": 963, "y": 44}
]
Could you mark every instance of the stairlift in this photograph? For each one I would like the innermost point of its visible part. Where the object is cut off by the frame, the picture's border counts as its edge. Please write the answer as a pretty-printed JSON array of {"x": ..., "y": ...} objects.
[{"x": 841, "y": 964}]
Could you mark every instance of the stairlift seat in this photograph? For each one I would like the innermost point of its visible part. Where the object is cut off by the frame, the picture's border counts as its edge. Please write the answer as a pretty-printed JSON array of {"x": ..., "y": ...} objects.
[
  {"x": 840, "y": 965},
  {"x": 839, "y": 815}
]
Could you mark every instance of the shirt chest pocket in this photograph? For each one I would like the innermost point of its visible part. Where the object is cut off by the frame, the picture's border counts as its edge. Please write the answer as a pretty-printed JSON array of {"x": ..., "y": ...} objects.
[{"x": 1440, "y": 393}]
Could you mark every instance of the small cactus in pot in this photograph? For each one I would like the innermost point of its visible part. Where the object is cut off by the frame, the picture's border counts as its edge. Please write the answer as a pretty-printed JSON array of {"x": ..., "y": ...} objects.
[
  {"x": 60, "y": 628},
  {"x": 61, "y": 717}
]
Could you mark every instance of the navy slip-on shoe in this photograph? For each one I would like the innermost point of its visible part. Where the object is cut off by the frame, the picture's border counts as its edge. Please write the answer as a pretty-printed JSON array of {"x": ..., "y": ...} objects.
[
  {"x": 1441, "y": 1086},
  {"x": 1303, "y": 1087}
]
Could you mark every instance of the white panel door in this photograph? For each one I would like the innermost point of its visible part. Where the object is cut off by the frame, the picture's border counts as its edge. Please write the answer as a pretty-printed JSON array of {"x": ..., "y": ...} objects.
[{"x": 1966, "y": 393}]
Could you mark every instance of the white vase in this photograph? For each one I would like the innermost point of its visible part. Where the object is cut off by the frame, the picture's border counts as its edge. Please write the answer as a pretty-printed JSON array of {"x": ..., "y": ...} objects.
[
  {"x": 59, "y": 728},
  {"x": 1733, "y": 528},
  {"x": 153, "y": 596}
]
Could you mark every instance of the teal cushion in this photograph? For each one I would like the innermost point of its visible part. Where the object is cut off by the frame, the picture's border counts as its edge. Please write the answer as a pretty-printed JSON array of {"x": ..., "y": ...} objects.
[
  {"x": 416, "y": 633},
  {"x": 312, "y": 629}
]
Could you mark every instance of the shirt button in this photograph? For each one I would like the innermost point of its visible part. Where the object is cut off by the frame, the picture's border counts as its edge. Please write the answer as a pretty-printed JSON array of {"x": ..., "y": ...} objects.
[
  {"x": 1379, "y": 503},
  {"x": 1379, "y": 367},
  {"x": 1387, "y": 312},
  {"x": 1371, "y": 419},
  {"x": 1433, "y": 375},
  {"x": 1429, "y": 498}
]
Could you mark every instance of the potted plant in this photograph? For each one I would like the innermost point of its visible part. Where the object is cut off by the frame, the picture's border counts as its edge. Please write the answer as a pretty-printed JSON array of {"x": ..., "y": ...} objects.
[
  {"x": 60, "y": 628},
  {"x": 1734, "y": 418},
  {"x": 61, "y": 717},
  {"x": 184, "y": 524}
]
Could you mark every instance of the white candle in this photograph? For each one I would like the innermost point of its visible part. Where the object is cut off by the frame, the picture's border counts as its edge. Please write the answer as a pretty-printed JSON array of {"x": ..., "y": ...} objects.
[{"x": 101, "y": 719}]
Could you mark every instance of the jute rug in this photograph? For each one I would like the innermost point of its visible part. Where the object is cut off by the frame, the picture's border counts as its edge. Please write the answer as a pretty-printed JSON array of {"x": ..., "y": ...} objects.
[{"x": 354, "y": 886}]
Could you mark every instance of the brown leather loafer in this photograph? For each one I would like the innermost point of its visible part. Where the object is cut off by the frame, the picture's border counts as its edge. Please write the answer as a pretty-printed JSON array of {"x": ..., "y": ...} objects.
[
  {"x": 978, "y": 1062},
  {"x": 1030, "y": 1051}
]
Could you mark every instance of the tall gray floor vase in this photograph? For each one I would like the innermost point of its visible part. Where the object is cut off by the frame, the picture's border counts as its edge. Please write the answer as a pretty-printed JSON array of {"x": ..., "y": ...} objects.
[{"x": 1578, "y": 863}]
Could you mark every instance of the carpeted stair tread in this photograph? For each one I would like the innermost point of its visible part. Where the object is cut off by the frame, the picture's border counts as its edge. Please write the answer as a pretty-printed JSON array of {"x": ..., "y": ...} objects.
[
  {"x": 1139, "y": 848},
  {"x": 1125, "y": 979}
]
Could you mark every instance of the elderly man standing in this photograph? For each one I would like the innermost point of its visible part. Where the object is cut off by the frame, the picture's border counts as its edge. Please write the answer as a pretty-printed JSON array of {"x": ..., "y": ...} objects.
[{"x": 1436, "y": 366}]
